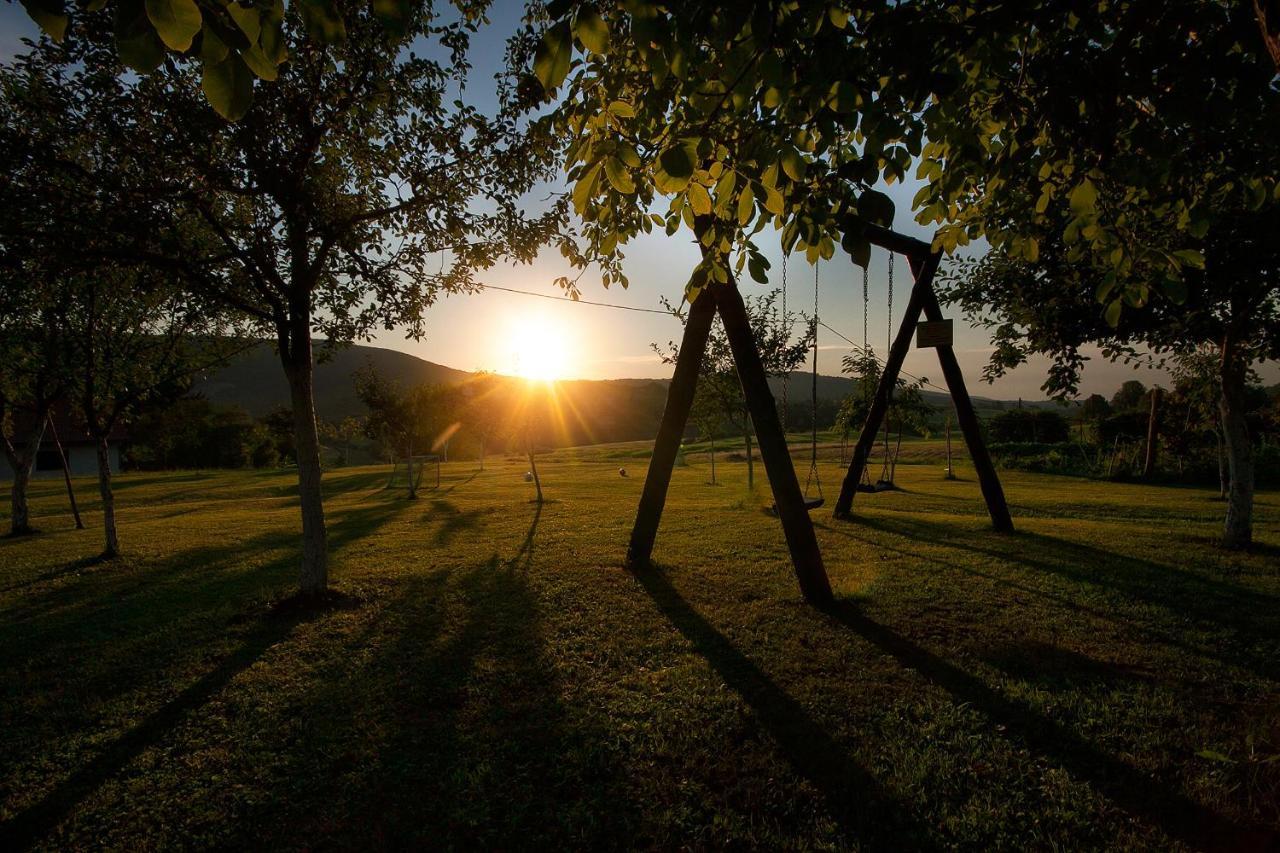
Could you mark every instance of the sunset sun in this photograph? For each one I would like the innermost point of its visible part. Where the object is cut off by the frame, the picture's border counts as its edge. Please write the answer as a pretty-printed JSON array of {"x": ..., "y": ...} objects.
[{"x": 540, "y": 349}]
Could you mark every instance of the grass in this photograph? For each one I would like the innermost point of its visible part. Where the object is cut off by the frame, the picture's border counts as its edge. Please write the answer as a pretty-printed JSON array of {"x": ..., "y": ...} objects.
[{"x": 491, "y": 677}]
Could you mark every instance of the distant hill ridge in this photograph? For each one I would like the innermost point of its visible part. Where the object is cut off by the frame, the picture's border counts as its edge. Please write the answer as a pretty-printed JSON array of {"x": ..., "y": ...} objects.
[{"x": 256, "y": 382}]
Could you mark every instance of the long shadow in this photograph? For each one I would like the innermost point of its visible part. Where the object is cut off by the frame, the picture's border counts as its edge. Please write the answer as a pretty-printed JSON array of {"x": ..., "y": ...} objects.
[
  {"x": 453, "y": 520},
  {"x": 1259, "y": 665},
  {"x": 37, "y": 820},
  {"x": 1176, "y": 589},
  {"x": 524, "y": 554},
  {"x": 865, "y": 811},
  {"x": 1133, "y": 790}
]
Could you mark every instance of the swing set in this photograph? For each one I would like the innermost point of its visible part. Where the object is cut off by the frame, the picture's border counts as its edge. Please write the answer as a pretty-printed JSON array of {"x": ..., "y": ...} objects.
[{"x": 792, "y": 504}]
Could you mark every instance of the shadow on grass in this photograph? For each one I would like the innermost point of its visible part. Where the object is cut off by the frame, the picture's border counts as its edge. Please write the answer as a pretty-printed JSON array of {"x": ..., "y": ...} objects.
[
  {"x": 36, "y": 821},
  {"x": 524, "y": 554},
  {"x": 1133, "y": 790},
  {"x": 160, "y": 613},
  {"x": 452, "y": 520},
  {"x": 1179, "y": 590},
  {"x": 865, "y": 811}
]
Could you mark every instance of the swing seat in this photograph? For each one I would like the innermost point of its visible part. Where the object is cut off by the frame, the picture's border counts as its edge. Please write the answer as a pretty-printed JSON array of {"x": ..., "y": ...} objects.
[{"x": 809, "y": 503}]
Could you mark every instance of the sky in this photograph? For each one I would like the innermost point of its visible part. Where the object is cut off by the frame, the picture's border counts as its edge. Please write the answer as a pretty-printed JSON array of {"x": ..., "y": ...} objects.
[{"x": 509, "y": 333}]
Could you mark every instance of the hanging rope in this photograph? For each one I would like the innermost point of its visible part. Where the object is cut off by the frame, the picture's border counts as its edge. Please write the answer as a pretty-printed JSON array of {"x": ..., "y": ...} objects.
[
  {"x": 813, "y": 477},
  {"x": 886, "y": 471}
]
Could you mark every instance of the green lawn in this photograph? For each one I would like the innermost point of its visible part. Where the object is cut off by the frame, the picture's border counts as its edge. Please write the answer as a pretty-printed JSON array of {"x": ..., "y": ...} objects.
[{"x": 494, "y": 679}]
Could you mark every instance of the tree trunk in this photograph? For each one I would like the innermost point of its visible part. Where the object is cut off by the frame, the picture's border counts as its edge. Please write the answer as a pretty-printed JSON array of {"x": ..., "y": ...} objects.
[
  {"x": 300, "y": 370},
  {"x": 1237, "y": 531},
  {"x": 112, "y": 545},
  {"x": 713, "y": 460},
  {"x": 23, "y": 462},
  {"x": 1149, "y": 463},
  {"x": 751, "y": 465},
  {"x": 1224, "y": 480},
  {"x": 413, "y": 483},
  {"x": 533, "y": 467}
]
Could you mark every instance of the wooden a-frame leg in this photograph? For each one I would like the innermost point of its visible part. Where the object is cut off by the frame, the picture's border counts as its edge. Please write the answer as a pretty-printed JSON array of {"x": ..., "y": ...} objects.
[
  {"x": 884, "y": 391},
  {"x": 797, "y": 526},
  {"x": 988, "y": 480},
  {"x": 674, "y": 417}
]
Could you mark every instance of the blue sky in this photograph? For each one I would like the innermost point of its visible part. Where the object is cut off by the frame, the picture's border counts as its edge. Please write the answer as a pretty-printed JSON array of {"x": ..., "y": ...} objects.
[{"x": 486, "y": 330}]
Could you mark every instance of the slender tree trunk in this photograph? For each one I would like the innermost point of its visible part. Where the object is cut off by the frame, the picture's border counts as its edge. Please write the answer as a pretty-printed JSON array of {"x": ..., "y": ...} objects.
[
  {"x": 23, "y": 462},
  {"x": 533, "y": 467},
  {"x": 112, "y": 541},
  {"x": 713, "y": 460},
  {"x": 413, "y": 484},
  {"x": 1224, "y": 479},
  {"x": 300, "y": 370},
  {"x": 751, "y": 465},
  {"x": 1149, "y": 463},
  {"x": 1237, "y": 531}
]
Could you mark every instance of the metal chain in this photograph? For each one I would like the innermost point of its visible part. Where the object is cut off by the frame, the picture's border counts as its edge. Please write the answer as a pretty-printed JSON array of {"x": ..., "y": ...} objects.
[{"x": 786, "y": 325}]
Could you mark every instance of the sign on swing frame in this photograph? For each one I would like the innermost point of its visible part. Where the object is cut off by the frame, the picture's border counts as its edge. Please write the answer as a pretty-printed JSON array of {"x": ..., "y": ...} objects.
[{"x": 937, "y": 333}]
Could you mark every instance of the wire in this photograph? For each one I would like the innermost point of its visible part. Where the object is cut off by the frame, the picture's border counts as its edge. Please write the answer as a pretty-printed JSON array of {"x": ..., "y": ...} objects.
[
  {"x": 879, "y": 362},
  {"x": 575, "y": 301}
]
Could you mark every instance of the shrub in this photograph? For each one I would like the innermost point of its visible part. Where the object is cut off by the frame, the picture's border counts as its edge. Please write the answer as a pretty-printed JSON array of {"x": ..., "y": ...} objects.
[{"x": 1029, "y": 425}]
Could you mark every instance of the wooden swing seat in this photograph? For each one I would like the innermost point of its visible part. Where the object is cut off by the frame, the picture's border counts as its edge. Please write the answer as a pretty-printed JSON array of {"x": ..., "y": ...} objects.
[{"x": 809, "y": 503}]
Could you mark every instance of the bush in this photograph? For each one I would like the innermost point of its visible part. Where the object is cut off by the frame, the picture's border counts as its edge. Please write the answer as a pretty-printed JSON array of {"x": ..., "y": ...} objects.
[
  {"x": 1044, "y": 458},
  {"x": 1038, "y": 426}
]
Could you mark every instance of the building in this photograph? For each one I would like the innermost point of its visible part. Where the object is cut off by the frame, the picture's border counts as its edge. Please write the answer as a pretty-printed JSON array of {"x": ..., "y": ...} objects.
[{"x": 82, "y": 455}]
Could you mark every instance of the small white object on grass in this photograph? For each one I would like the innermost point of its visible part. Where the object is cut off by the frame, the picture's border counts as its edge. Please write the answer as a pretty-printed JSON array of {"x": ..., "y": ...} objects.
[
  {"x": 622, "y": 472},
  {"x": 528, "y": 476}
]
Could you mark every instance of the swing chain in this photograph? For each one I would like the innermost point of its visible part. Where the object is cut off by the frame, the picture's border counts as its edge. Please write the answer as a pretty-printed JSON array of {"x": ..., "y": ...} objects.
[{"x": 786, "y": 327}]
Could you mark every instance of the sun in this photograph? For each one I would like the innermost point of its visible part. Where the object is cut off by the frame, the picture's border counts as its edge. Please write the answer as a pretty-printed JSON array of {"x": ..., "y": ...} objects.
[{"x": 540, "y": 349}]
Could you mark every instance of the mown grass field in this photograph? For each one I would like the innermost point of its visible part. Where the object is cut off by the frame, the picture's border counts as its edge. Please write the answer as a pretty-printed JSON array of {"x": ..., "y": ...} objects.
[{"x": 1105, "y": 678}]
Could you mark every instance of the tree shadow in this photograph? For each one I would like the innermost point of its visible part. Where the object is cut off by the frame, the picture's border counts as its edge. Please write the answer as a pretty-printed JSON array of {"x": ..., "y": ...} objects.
[
  {"x": 1182, "y": 592},
  {"x": 36, "y": 821},
  {"x": 523, "y": 556},
  {"x": 866, "y": 812},
  {"x": 453, "y": 520},
  {"x": 1133, "y": 790}
]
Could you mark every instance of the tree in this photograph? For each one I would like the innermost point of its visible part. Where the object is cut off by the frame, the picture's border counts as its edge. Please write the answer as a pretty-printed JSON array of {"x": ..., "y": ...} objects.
[
  {"x": 742, "y": 118},
  {"x": 353, "y": 192},
  {"x": 1128, "y": 185},
  {"x": 485, "y": 409},
  {"x": 1129, "y": 397},
  {"x": 344, "y": 432},
  {"x": 780, "y": 352},
  {"x": 1094, "y": 408},
  {"x": 133, "y": 341}
]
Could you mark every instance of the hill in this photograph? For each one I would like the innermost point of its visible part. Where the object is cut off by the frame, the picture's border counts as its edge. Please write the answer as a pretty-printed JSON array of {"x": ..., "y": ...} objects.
[
  {"x": 256, "y": 382},
  {"x": 588, "y": 411}
]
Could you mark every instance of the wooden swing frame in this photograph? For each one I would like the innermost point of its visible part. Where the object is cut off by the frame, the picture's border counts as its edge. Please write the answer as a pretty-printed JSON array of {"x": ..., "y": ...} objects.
[{"x": 797, "y": 526}]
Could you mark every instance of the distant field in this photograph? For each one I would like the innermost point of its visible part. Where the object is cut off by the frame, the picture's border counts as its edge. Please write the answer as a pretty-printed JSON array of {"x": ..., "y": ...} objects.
[{"x": 1105, "y": 678}]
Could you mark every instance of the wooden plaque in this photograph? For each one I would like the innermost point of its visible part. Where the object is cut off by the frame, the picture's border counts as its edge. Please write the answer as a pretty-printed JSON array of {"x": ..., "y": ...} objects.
[{"x": 933, "y": 334}]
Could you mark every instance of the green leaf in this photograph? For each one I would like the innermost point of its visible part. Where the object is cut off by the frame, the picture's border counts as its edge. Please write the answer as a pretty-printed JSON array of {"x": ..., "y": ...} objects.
[
  {"x": 551, "y": 61},
  {"x": 258, "y": 63},
  {"x": 876, "y": 207},
  {"x": 248, "y": 20},
  {"x": 1190, "y": 257},
  {"x": 49, "y": 15},
  {"x": 1112, "y": 314},
  {"x": 212, "y": 48},
  {"x": 699, "y": 199},
  {"x": 793, "y": 164},
  {"x": 858, "y": 247},
  {"x": 746, "y": 206},
  {"x": 618, "y": 176},
  {"x": 773, "y": 201},
  {"x": 627, "y": 154},
  {"x": 394, "y": 14},
  {"x": 758, "y": 267},
  {"x": 591, "y": 30},
  {"x": 323, "y": 21},
  {"x": 1176, "y": 291},
  {"x": 228, "y": 86},
  {"x": 839, "y": 17},
  {"x": 142, "y": 51},
  {"x": 677, "y": 162},
  {"x": 1084, "y": 198},
  {"x": 585, "y": 187},
  {"x": 623, "y": 109}
]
